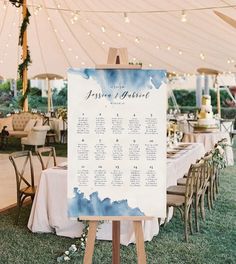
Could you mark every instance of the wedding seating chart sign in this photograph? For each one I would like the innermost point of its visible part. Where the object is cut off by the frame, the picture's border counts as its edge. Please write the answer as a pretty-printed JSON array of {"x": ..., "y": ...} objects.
[{"x": 117, "y": 142}]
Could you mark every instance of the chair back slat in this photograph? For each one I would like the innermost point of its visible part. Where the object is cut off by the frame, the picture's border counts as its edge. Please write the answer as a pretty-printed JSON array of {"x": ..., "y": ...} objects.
[
  {"x": 16, "y": 159},
  {"x": 47, "y": 155},
  {"x": 193, "y": 177},
  {"x": 24, "y": 187}
]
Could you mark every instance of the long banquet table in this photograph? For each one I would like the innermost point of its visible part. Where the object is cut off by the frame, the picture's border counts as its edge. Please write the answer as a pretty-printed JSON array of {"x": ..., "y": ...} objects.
[
  {"x": 209, "y": 140},
  {"x": 49, "y": 209}
]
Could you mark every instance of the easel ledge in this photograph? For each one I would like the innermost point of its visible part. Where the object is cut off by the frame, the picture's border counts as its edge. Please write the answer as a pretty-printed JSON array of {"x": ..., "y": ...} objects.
[
  {"x": 116, "y": 218},
  {"x": 118, "y": 66}
]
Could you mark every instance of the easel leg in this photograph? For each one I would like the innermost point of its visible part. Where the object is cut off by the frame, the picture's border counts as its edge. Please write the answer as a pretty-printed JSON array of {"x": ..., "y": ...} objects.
[
  {"x": 115, "y": 242},
  {"x": 88, "y": 256},
  {"x": 139, "y": 242}
]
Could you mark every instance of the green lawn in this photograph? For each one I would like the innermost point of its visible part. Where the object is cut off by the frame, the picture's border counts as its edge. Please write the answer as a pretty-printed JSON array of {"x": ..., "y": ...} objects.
[{"x": 215, "y": 243}]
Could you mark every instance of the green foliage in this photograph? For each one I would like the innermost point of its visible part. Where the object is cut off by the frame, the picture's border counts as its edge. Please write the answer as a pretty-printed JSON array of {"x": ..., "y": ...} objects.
[
  {"x": 36, "y": 101},
  {"x": 185, "y": 97},
  {"x": 60, "y": 98},
  {"x": 5, "y": 87},
  {"x": 34, "y": 91},
  {"x": 187, "y": 102},
  {"x": 188, "y": 97},
  {"x": 19, "y": 85},
  {"x": 27, "y": 59}
]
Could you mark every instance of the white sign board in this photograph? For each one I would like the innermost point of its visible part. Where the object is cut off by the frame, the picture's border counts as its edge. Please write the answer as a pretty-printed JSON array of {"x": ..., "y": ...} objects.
[{"x": 117, "y": 142}]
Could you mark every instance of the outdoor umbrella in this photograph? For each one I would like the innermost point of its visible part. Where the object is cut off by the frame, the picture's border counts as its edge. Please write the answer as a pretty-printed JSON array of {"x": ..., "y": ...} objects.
[{"x": 48, "y": 77}]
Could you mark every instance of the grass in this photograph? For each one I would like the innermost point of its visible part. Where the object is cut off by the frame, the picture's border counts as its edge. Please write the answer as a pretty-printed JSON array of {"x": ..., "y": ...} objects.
[{"x": 215, "y": 243}]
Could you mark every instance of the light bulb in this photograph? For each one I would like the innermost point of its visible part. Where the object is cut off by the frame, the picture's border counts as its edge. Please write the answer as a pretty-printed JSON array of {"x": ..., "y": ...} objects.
[
  {"x": 183, "y": 17},
  {"x": 126, "y": 18}
]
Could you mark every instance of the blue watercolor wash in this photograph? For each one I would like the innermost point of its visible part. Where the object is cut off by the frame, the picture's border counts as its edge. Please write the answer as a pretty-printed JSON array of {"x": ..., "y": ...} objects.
[
  {"x": 94, "y": 206},
  {"x": 132, "y": 80}
]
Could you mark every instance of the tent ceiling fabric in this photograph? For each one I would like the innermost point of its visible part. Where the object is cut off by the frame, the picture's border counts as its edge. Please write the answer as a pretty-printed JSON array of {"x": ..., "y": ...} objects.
[{"x": 59, "y": 39}]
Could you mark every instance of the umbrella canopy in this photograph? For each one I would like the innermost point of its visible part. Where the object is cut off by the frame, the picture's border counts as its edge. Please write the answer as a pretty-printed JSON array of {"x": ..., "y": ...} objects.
[
  {"x": 48, "y": 77},
  {"x": 69, "y": 33}
]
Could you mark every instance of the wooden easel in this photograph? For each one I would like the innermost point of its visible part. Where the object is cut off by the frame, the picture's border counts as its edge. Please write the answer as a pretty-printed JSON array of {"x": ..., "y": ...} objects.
[
  {"x": 139, "y": 238},
  {"x": 117, "y": 59}
]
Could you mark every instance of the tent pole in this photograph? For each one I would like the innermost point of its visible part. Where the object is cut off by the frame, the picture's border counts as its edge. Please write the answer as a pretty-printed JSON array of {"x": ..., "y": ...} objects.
[
  {"x": 24, "y": 55},
  {"x": 218, "y": 97},
  {"x": 49, "y": 94}
]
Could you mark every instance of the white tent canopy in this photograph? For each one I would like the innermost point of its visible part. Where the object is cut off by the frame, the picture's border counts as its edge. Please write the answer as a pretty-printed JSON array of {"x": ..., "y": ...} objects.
[{"x": 78, "y": 33}]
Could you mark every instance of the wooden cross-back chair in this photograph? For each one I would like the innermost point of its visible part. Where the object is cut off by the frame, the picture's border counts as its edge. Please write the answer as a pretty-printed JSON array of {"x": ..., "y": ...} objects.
[
  {"x": 182, "y": 197},
  {"x": 47, "y": 155},
  {"x": 24, "y": 185}
]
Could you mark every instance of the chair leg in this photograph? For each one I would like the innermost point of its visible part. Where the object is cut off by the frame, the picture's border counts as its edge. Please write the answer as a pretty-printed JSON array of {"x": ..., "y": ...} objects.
[
  {"x": 167, "y": 214},
  {"x": 19, "y": 204},
  {"x": 203, "y": 214},
  {"x": 209, "y": 204},
  {"x": 186, "y": 216},
  {"x": 196, "y": 213},
  {"x": 214, "y": 189},
  {"x": 190, "y": 220}
]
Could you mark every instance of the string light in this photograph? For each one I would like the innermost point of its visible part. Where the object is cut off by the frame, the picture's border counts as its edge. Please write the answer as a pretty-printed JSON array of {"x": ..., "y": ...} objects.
[
  {"x": 137, "y": 40},
  {"x": 126, "y": 18},
  {"x": 202, "y": 56},
  {"x": 152, "y": 11},
  {"x": 183, "y": 16}
]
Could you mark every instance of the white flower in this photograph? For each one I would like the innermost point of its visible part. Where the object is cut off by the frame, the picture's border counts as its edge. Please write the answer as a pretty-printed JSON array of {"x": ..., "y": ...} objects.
[
  {"x": 67, "y": 252},
  {"x": 73, "y": 248},
  {"x": 81, "y": 239},
  {"x": 66, "y": 258}
]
